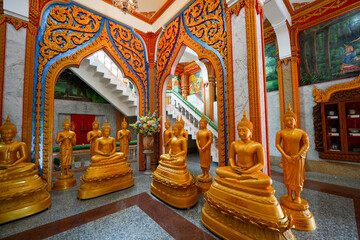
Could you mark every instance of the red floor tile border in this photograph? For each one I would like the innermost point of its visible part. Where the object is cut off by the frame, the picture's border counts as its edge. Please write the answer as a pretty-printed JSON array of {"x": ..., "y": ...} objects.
[{"x": 161, "y": 214}]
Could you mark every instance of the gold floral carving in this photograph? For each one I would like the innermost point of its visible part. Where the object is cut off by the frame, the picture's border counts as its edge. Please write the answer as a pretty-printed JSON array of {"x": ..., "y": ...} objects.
[
  {"x": 324, "y": 96},
  {"x": 205, "y": 20},
  {"x": 185, "y": 39},
  {"x": 318, "y": 11},
  {"x": 75, "y": 26},
  {"x": 165, "y": 47},
  {"x": 131, "y": 47}
]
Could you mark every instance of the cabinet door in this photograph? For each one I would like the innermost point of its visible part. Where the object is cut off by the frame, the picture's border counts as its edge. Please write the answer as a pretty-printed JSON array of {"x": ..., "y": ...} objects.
[
  {"x": 331, "y": 128},
  {"x": 352, "y": 118}
]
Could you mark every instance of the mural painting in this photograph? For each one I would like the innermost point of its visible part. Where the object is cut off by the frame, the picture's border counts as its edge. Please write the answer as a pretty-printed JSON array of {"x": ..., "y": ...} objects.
[
  {"x": 68, "y": 86},
  {"x": 176, "y": 84},
  {"x": 272, "y": 83},
  {"x": 330, "y": 50},
  {"x": 196, "y": 85}
]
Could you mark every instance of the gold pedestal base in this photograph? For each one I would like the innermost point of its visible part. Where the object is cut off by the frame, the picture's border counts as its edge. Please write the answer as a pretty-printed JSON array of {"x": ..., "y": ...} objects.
[
  {"x": 32, "y": 198},
  {"x": 227, "y": 226},
  {"x": 203, "y": 183},
  {"x": 182, "y": 197},
  {"x": 302, "y": 218},
  {"x": 65, "y": 182},
  {"x": 103, "y": 179}
]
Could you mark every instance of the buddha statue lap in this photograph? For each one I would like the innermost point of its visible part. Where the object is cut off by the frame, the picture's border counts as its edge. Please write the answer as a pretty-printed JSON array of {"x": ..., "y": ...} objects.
[
  {"x": 108, "y": 171},
  {"x": 22, "y": 191},
  {"x": 172, "y": 182},
  {"x": 240, "y": 203}
]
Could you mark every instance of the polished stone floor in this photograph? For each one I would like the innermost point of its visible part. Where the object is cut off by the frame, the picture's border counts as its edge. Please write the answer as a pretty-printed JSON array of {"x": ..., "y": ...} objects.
[{"x": 134, "y": 213}]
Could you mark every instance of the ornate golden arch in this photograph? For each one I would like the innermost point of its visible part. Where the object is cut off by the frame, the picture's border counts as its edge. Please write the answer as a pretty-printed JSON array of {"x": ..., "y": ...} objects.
[
  {"x": 185, "y": 39},
  {"x": 101, "y": 42}
]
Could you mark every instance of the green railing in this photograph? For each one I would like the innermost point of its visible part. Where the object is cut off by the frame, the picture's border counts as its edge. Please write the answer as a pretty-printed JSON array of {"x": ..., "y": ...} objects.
[
  {"x": 211, "y": 123},
  {"x": 87, "y": 146}
]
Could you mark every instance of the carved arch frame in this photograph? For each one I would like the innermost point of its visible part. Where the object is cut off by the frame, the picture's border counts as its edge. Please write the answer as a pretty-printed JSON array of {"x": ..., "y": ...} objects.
[
  {"x": 102, "y": 41},
  {"x": 203, "y": 53}
]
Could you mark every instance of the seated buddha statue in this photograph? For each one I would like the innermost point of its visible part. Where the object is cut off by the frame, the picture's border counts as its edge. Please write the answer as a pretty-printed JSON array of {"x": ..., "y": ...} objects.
[
  {"x": 108, "y": 170},
  {"x": 22, "y": 191},
  {"x": 172, "y": 181},
  {"x": 240, "y": 203}
]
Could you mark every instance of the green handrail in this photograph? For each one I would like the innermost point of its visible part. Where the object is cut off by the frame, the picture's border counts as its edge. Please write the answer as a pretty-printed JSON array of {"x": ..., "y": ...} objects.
[
  {"x": 192, "y": 107},
  {"x": 87, "y": 146}
]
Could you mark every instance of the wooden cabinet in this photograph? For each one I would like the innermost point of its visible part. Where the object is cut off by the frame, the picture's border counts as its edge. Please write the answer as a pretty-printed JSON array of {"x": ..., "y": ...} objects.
[
  {"x": 341, "y": 127},
  {"x": 337, "y": 127}
]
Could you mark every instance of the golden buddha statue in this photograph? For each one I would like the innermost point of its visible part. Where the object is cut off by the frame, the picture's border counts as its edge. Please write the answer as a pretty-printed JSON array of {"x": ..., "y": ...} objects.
[
  {"x": 108, "y": 171},
  {"x": 67, "y": 140},
  {"x": 93, "y": 135},
  {"x": 293, "y": 143},
  {"x": 204, "y": 138},
  {"x": 168, "y": 134},
  {"x": 22, "y": 191},
  {"x": 240, "y": 203},
  {"x": 124, "y": 136},
  {"x": 172, "y": 181},
  {"x": 183, "y": 132}
]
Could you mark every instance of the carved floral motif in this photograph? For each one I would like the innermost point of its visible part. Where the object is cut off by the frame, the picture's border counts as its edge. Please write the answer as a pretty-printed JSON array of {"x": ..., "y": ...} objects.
[
  {"x": 131, "y": 48},
  {"x": 165, "y": 46},
  {"x": 205, "y": 20}
]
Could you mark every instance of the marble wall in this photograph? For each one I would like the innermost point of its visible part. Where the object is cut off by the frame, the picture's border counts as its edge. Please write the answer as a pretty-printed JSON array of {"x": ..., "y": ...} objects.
[
  {"x": 273, "y": 120},
  {"x": 240, "y": 71},
  {"x": 63, "y": 108},
  {"x": 13, "y": 91}
]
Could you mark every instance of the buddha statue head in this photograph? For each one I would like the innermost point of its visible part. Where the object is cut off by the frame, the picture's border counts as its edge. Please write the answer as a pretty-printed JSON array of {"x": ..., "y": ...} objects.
[
  {"x": 177, "y": 127},
  {"x": 290, "y": 118},
  {"x": 95, "y": 124},
  {"x": 106, "y": 129},
  {"x": 167, "y": 123},
  {"x": 203, "y": 122},
  {"x": 182, "y": 122},
  {"x": 66, "y": 124},
  {"x": 8, "y": 131},
  {"x": 124, "y": 123},
  {"x": 245, "y": 128}
]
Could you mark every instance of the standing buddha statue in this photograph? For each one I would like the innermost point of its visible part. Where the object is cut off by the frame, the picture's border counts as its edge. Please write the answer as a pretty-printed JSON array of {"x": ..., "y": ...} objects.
[
  {"x": 172, "y": 181},
  {"x": 168, "y": 134},
  {"x": 293, "y": 143},
  {"x": 108, "y": 171},
  {"x": 240, "y": 203},
  {"x": 204, "y": 138},
  {"x": 93, "y": 135},
  {"x": 124, "y": 136},
  {"x": 67, "y": 140},
  {"x": 22, "y": 191}
]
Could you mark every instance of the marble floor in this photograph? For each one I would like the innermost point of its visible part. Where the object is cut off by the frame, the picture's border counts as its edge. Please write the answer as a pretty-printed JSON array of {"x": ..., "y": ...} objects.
[{"x": 134, "y": 213}]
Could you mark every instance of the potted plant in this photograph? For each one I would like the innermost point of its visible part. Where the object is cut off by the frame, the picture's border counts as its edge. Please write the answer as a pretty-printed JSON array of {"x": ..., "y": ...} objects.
[{"x": 148, "y": 126}]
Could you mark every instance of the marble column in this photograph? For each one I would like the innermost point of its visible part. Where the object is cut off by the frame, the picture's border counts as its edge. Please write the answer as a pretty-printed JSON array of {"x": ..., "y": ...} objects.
[
  {"x": 13, "y": 88},
  {"x": 248, "y": 68}
]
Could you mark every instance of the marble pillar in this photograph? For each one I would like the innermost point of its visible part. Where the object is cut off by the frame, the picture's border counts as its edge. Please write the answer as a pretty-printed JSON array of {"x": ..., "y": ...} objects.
[{"x": 13, "y": 89}]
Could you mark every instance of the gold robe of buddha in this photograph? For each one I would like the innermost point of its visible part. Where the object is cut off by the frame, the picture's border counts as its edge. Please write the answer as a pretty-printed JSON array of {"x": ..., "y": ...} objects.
[
  {"x": 93, "y": 135},
  {"x": 240, "y": 203},
  {"x": 124, "y": 136},
  {"x": 293, "y": 143},
  {"x": 22, "y": 191},
  {"x": 172, "y": 181},
  {"x": 108, "y": 170}
]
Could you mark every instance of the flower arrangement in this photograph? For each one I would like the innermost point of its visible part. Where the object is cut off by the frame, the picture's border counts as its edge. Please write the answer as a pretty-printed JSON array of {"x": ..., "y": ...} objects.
[{"x": 147, "y": 125}]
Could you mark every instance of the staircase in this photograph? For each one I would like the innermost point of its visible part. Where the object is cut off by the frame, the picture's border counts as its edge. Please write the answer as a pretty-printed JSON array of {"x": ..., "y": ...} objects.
[
  {"x": 103, "y": 75},
  {"x": 178, "y": 106}
]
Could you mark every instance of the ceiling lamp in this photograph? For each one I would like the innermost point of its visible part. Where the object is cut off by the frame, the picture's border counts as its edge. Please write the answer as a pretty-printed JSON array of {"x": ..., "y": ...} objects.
[{"x": 127, "y": 6}]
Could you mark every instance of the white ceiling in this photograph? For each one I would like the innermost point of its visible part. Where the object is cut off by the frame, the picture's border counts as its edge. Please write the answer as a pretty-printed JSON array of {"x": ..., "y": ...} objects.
[{"x": 150, "y": 5}]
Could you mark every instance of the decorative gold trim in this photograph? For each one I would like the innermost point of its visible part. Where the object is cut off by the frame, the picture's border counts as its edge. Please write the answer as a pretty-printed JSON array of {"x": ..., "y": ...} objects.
[
  {"x": 324, "y": 95},
  {"x": 2, "y": 59}
]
